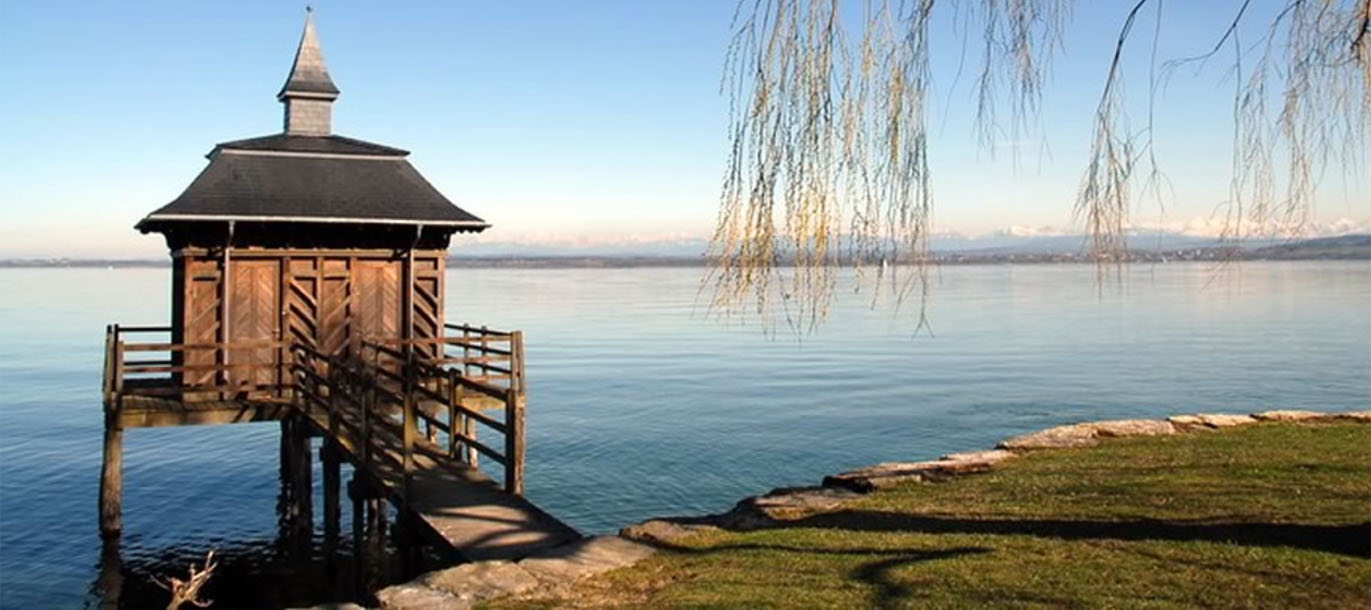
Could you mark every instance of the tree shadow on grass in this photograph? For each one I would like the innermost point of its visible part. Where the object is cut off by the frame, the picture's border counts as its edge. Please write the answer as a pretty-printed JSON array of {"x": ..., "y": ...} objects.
[
  {"x": 878, "y": 573},
  {"x": 1353, "y": 540},
  {"x": 889, "y": 591}
]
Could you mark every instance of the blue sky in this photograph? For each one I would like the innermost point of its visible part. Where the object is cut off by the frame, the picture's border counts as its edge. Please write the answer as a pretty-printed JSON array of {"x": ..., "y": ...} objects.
[{"x": 594, "y": 120}]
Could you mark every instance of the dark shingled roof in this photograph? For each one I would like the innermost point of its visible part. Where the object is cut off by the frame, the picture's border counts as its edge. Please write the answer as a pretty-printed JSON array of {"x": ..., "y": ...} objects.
[
  {"x": 308, "y": 75},
  {"x": 310, "y": 179},
  {"x": 335, "y": 145},
  {"x": 293, "y": 187}
]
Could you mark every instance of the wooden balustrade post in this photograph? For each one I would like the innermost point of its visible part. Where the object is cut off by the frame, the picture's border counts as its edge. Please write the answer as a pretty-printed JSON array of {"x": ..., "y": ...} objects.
[
  {"x": 466, "y": 351},
  {"x": 334, "y": 399},
  {"x": 365, "y": 401},
  {"x": 484, "y": 353},
  {"x": 516, "y": 361},
  {"x": 107, "y": 381},
  {"x": 473, "y": 457},
  {"x": 514, "y": 443},
  {"x": 410, "y": 429},
  {"x": 452, "y": 414},
  {"x": 118, "y": 368}
]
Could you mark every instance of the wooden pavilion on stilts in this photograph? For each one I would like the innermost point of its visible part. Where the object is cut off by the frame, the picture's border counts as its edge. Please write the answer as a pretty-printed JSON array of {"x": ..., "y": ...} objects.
[{"x": 308, "y": 285}]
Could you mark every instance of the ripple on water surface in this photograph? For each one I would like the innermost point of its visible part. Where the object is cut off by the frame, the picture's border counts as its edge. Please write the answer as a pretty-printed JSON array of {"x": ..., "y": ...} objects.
[{"x": 640, "y": 406}]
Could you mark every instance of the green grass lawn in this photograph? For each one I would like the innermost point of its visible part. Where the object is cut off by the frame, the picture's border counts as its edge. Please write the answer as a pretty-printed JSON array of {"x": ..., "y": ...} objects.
[{"x": 1262, "y": 516}]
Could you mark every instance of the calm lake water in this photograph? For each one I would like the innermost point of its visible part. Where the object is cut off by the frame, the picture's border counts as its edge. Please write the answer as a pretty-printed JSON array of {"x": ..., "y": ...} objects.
[{"x": 640, "y": 407}]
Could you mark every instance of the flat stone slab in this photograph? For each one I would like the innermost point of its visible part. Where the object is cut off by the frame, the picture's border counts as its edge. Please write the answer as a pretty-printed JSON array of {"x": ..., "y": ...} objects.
[
  {"x": 790, "y": 503},
  {"x": 1289, "y": 415},
  {"x": 660, "y": 531},
  {"x": 469, "y": 584},
  {"x": 1211, "y": 420},
  {"x": 334, "y": 606},
  {"x": 480, "y": 581},
  {"x": 880, "y": 476},
  {"x": 1133, "y": 427},
  {"x": 414, "y": 596},
  {"x": 583, "y": 558},
  {"x": 890, "y": 474},
  {"x": 1075, "y": 435},
  {"x": 989, "y": 456}
]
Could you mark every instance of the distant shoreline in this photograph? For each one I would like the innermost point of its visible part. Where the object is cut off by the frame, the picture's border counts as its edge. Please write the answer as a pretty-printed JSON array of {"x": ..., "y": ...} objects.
[{"x": 1347, "y": 247}]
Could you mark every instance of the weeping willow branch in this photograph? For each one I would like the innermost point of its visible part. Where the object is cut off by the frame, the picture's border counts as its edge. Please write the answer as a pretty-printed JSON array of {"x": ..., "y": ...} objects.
[
  {"x": 1302, "y": 103},
  {"x": 828, "y": 158},
  {"x": 1103, "y": 200},
  {"x": 1020, "y": 38}
]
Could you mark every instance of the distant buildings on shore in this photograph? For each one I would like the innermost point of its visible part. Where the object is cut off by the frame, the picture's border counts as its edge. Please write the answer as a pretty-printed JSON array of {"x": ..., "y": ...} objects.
[{"x": 1346, "y": 247}]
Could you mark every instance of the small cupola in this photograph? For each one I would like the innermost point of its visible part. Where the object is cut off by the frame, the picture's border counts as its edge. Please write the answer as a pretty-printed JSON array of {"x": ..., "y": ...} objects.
[{"x": 309, "y": 92}]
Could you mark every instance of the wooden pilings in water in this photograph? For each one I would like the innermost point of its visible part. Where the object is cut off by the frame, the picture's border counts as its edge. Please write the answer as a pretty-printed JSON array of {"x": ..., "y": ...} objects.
[
  {"x": 111, "y": 477},
  {"x": 331, "y": 459},
  {"x": 297, "y": 490},
  {"x": 109, "y": 581}
]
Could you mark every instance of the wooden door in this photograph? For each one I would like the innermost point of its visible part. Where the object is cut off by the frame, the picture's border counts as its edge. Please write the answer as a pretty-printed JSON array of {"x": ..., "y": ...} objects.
[
  {"x": 196, "y": 318},
  {"x": 254, "y": 315},
  {"x": 376, "y": 300},
  {"x": 335, "y": 300}
]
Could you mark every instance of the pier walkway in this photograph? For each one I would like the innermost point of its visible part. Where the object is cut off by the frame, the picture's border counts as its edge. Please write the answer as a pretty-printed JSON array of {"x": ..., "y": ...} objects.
[{"x": 406, "y": 414}]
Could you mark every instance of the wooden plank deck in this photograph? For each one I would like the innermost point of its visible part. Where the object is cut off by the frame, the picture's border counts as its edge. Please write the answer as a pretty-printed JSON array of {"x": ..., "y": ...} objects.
[
  {"x": 142, "y": 410},
  {"x": 460, "y": 504}
]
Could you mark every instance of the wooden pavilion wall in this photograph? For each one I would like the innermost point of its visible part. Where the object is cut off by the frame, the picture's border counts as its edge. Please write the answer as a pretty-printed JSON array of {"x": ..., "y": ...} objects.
[{"x": 327, "y": 299}]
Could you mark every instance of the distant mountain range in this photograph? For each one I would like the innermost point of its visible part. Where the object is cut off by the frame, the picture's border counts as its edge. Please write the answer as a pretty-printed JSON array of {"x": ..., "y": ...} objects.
[
  {"x": 1039, "y": 249},
  {"x": 999, "y": 247},
  {"x": 1008, "y": 241}
]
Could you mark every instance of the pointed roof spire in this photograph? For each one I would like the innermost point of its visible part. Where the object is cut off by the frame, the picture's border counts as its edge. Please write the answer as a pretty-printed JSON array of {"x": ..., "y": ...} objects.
[{"x": 308, "y": 75}]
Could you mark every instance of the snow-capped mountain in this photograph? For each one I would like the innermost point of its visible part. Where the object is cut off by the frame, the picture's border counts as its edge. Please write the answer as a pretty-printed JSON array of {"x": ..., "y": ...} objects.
[{"x": 1046, "y": 239}]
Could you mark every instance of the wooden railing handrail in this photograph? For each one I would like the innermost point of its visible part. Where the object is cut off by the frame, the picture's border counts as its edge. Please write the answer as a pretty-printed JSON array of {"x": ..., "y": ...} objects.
[
  {"x": 137, "y": 369},
  {"x": 181, "y": 347},
  {"x": 306, "y": 372},
  {"x": 474, "y": 329},
  {"x": 144, "y": 329}
]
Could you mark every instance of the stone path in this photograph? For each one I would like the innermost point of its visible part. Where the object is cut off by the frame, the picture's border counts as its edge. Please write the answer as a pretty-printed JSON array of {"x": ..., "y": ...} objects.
[{"x": 548, "y": 572}]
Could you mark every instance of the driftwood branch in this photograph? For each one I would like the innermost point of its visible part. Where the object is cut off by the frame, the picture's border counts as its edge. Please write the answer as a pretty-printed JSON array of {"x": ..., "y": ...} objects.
[{"x": 188, "y": 591}]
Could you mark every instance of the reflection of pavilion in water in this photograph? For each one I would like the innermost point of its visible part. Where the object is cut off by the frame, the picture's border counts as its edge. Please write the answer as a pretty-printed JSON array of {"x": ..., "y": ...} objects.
[{"x": 302, "y": 566}]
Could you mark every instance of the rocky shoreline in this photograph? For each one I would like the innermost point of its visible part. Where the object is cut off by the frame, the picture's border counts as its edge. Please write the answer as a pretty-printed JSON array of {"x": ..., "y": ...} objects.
[{"x": 552, "y": 573}]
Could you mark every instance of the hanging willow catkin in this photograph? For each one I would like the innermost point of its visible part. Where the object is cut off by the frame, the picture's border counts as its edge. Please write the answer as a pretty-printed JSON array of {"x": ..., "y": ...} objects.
[{"x": 828, "y": 157}]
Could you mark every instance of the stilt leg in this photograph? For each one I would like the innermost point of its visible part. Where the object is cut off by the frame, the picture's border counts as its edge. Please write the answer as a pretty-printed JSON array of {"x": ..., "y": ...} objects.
[
  {"x": 111, "y": 478},
  {"x": 328, "y": 456},
  {"x": 296, "y": 505},
  {"x": 110, "y": 583},
  {"x": 376, "y": 511},
  {"x": 302, "y": 507},
  {"x": 359, "y": 544}
]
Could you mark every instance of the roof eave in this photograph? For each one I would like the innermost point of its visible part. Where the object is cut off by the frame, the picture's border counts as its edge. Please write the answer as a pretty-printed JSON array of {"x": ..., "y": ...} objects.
[
  {"x": 317, "y": 95},
  {"x": 474, "y": 226}
]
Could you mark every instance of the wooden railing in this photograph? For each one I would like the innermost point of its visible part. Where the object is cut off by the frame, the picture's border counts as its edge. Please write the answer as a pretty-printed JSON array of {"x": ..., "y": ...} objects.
[
  {"x": 453, "y": 385},
  {"x": 151, "y": 365},
  {"x": 450, "y": 392},
  {"x": 491, "y": 357}
]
